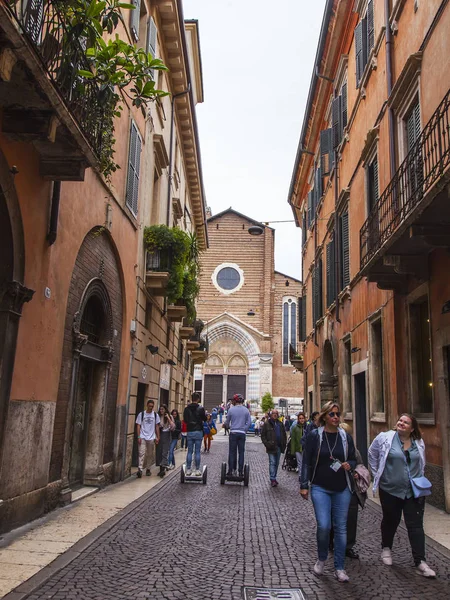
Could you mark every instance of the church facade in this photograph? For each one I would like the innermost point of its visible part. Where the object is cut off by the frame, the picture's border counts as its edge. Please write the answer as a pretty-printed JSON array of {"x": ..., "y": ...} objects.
[{"x": 250, "y": 313}]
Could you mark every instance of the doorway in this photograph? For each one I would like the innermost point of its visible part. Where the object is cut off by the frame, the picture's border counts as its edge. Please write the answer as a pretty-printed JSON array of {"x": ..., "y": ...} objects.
[
  {"x": 80, "y": 423},
  {"x": 236, "y": 385},
  {"x": 213, "y": 391},
  {"x": 164, "y": 398},
  {"x": 140, "y": 406},
  {"x": 361, "y": 414}
]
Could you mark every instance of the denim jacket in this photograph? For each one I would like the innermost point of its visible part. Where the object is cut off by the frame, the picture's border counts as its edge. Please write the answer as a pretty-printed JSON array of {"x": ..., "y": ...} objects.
[
  {"x": 311, "y": 453},
  {"x": 378, "y": 453}
]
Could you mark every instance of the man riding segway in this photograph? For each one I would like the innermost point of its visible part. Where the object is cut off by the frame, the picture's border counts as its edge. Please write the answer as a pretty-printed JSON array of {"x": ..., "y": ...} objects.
[{"x": 238, "y": 421}]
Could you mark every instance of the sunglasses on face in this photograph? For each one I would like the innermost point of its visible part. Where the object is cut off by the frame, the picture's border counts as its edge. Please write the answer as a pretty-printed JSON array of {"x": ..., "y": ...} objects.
[{"x": 334, "y": 414}]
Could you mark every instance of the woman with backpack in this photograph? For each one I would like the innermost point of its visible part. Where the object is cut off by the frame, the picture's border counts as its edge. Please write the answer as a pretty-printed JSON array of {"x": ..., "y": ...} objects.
[
  {"x": 166, "y": 425},
  {"x": 175, "y": 435}
]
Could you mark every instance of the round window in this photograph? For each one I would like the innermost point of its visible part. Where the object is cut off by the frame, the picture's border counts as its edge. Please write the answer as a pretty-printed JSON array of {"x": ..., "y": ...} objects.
[{"x": 228, "y": 278}]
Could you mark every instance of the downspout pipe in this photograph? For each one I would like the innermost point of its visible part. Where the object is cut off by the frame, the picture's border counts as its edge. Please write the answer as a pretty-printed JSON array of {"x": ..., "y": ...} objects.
[
  {"x": 172, "y": 123},
  {"x": 54, "y": 213},
  {"x": 389, "y": 82}
]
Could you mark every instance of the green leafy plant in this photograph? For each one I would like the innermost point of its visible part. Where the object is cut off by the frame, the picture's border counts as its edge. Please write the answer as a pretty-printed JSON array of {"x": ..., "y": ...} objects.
[
  {"x": 179, "y": 253},
  {"x": 267, "y": 402},
  {"x": 115, "y": 65}
]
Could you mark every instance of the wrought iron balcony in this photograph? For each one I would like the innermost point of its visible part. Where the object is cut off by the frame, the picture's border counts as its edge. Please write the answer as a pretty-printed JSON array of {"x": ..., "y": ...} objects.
[
  {"x": 407, "y": 194},
  {"x": 60, "y": 54}
]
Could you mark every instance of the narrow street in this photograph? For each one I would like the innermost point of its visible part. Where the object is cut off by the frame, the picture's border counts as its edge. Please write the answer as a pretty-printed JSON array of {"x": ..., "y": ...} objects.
[{"x": 207, "y": 542}]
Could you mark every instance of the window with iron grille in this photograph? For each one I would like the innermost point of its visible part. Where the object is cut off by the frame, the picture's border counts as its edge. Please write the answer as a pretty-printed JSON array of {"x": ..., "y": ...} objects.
[
  {"x": 344, "y": 262},
  {"x": 134, "y": 165},
  {"x": 364, "y": 41}
]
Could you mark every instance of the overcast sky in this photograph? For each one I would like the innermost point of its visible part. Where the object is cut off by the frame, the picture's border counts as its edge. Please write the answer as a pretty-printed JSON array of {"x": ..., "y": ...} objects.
[{"x": 257, "y": 58}]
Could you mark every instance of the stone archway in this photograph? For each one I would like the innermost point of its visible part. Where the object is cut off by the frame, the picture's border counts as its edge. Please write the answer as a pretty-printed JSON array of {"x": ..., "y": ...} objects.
[
  {"x": 86, "y": 442},
  {"x": 13, "y": 293},
  {"x": 327, "y": 377}
]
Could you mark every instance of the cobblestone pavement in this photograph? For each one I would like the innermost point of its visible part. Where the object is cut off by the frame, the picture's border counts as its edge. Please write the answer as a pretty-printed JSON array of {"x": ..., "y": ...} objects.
[{"x": 205, "y": 542}]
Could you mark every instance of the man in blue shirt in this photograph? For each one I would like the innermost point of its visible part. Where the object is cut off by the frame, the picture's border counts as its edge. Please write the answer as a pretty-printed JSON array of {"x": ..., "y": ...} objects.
[
  {"x": 273, "y": 436},
  {"x": 238, "y": 421}
]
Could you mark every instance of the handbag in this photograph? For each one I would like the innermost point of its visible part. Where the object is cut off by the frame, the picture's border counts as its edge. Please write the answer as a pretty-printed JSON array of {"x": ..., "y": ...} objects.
[
  {"x": 213, "y": 431},
  {"x": 421, "y": 486},
  {"x": 360, "y": 496}
]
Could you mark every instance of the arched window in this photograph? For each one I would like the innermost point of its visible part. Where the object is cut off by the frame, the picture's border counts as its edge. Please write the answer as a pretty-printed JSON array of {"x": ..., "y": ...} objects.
[
  {"x": 92, "y": 320},
  {"x": 289, "y": 327}
]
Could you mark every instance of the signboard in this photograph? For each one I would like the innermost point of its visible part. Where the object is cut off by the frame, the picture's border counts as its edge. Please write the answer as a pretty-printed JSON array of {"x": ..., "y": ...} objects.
[
  {"x": 164, "y": 377},
  {"x": 282, "y": 403}
]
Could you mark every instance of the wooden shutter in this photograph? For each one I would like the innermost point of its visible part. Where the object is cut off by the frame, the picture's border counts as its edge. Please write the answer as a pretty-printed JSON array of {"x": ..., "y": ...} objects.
[
  {"x": 337, "y": 125},
  {"x": 135, "y": 18},
  {"x": 314, "y": 297},
  {"x": 134, "y": 164},
  {"x": 310, "y": 209},
  {"x": 304, "y": 228},
  {"x": 413, "y": 126},
  {"x": 33, "y": 19},
  {"x": 345, "y": 251},
  {"x": 361, "y": 52},
  {"x": 370, "y": 27},
  {"x": 344, "y": 112},
  {"x": 318, "y": 184},
  {"x": 319, "y": 286},
  {"x": 302, "y": 318},
  {"x": 376, "y": 187},
  {"x": 151, "y": 41},
  {"x": 326, "y": 148},
  {"x": 331, "y": 273}
]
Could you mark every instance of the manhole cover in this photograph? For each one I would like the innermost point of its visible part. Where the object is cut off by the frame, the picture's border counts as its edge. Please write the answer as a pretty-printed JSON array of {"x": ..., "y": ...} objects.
[{"x": 255, "y": 593}]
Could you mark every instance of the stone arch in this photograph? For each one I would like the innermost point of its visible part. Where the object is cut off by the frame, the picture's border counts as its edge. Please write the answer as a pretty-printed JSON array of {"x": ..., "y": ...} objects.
[
  {"x": 13, "y": 293},
  {"x": 215, "y": 361},
  {"x": 229, "y": 329},
  {"x": 237, "y": 360},
  {"x": 90, "y": 369},
  {"x": 327, "y": 377}
]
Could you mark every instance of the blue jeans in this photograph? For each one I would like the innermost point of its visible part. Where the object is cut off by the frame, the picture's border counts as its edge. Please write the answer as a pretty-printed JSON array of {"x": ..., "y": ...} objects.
[
  {"x": 274, "y": 461},
  {"x": 194, "y": 441},
  {"x": 237, "y": 443},
  {"x": 183, "y": 441},
  {"x": 331, "y": 505},
  {"x": 220, "y": 418},
  {"x": 173, "y": 445}
]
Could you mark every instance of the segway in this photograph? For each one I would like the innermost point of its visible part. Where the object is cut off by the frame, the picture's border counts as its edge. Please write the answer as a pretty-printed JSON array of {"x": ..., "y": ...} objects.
[
  {"x": 236, "y": 478},
  {"x": 197, "y": 478}
]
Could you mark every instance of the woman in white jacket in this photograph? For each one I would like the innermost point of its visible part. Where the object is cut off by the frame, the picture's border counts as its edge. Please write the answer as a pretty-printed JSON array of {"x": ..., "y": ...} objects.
[{"x": 394, "y": 457}]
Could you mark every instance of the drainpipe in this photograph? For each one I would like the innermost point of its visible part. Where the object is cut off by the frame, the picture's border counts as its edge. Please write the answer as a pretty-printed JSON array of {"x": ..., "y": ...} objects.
[
  {"x": 389, "y": 78},
  {"x": 54, "y": 213},
  {"x": 172, "y": 122}
]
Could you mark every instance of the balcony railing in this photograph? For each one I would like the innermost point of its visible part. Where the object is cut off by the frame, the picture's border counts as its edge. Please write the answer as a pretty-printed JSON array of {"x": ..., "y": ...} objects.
[
  {"x": 60, "y": 50},
  {"x": 422, "y": 167}
]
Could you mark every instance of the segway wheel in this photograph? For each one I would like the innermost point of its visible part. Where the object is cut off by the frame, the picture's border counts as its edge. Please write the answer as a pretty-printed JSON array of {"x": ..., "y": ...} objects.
[
  {"x": 246, "y": 475},
  {"x": 205, "y": 475},
  {"x": 182, "y": 475},
  {"x": 223, "y": 473}
]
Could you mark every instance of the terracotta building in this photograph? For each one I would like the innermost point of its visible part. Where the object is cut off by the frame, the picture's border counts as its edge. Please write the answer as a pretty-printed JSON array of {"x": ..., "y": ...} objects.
[
  {"x": 250, "y": 313},
  {"x": 370, "y": 191},
  {"x": 72, "y": 268}
]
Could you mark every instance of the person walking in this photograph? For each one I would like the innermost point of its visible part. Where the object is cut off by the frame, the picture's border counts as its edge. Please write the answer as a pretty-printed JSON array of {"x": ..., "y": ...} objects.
[
  {"x": 273, "y": 436},
  {"x": 183, "y": 435},
  {"x": 238, "y": 421},
  {"x": 166, "y": 426},
  {"x": 175, "y": 436},
  {"x": 396, "y": 459},
  {"x": 312, "y": 423},
  {"x": 328, "y": 457},
  {"x": 257, "y": 426},
  {"x": 221, "y": 411},
  {"x": 297, "y": 431},
  {"x": 147, "y": 427},
  {"x": 195, "y": 416},
  {"x": 209, "y": 430}
]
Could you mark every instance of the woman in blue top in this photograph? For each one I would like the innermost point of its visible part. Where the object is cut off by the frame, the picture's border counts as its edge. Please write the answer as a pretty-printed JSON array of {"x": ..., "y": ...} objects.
[
  {"x": 328, "y": 456},
  {"x": 394, "y": 457},
  {"x": 208, "y": 425}
]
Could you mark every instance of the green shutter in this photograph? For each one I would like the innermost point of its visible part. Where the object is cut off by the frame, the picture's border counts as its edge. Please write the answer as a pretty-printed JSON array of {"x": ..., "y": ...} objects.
[
  {"x": 337, "y": 124},
  {"x": 326, "y": 148},
  {"x": 345, "y": 251},
  {"x": 151, "y": 41},
  {"x": 319, "y": 286},
  {"x": 304, "y": 229},
  {"x": 134, "y": 165},
  {"x": 331, "y": 273},
  {"x": 370, "y": 27},
  {"x": 344, "y": 113},
  {"x": 135, "y": 18}
]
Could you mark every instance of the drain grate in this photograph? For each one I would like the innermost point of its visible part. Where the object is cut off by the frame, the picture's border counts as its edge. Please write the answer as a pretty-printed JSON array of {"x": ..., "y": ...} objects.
[{"x": 255, "y": 593}]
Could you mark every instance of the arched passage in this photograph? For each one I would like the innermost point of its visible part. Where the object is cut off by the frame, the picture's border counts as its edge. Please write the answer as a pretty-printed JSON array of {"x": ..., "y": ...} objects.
[{"x": 327, "y": 377}]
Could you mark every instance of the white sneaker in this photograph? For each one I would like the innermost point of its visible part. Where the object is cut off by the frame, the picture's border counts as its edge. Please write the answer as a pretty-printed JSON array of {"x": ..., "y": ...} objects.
[
  {"x": 198, "y": 473},
  {"x": 319, "y": 567},
  {"x": 425, "y": 570},
  {"x": 188, "y": 472},
  {"x": 386, "y": 556},
  {"x": 341, "y": 576}
]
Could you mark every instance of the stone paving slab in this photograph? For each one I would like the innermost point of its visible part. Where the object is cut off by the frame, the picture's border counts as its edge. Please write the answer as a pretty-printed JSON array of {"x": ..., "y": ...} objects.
[{"x": 206, "y": 542}]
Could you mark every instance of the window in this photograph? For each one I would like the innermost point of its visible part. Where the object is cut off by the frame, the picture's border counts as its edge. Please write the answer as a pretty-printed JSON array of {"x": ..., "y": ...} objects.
[
  {"x": 151, "y": 43},
  {"x": 420, "y": 353},
  {"x": 317, "y": 292},
  {"x": 326, "y": 151},
  {"x": 134, "y": 165},
  {"x": 314, "y": 196},
  {"x": 228, "y": 278},
  {"x": 376, "y": 368},
  {"x": 148, "y": 315},
  {"x": 373, "y": 189},
  {"x": 302, "y": 318},
  {"x": 304, "y": 228},
  {"x": 364, "y": 41},
  {"x": 344, "y": 259},
  {"x": 180, "y": 352},
  {"x": 414, "y": 150},
  {"x": 331, "y": 272},
  {"x": 135, "y": 17},
  {"x": 289, "y": 327},
  {"x": 339, "y": 116}
]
